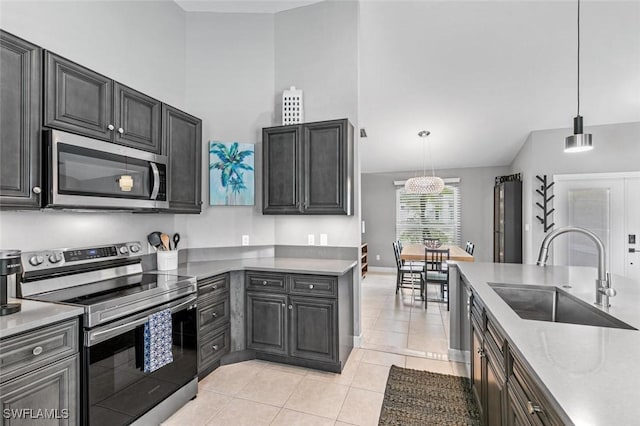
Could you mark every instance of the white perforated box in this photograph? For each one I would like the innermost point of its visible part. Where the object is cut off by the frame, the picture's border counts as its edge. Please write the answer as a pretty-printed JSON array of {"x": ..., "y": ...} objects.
[{"x": 292, "y": 112}]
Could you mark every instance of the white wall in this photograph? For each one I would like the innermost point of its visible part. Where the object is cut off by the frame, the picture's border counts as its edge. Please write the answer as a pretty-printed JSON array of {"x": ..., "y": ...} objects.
[
  {"x": 230, "y": 78},
  {"x": 140, "y": 44},
  {"x": 616, "y": 149},
  {"x": 316, "y": 50}
]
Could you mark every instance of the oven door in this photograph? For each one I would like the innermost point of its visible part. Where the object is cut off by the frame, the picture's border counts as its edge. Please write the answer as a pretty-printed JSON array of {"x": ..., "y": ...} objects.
[
  {"x": 116, "y": 390},
  {"x": 88, "y": 173}
]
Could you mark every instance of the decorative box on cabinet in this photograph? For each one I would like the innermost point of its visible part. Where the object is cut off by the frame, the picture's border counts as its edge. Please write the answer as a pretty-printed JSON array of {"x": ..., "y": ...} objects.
[
  {"x": 304, "y": 320},
  {"x": 40, "y": 370},
  {"x": 308, "y": 168},
  {"x": 20, "y": 122},
  {"x": 213, "y": 322},
  {"x": 83, "y": 101}
]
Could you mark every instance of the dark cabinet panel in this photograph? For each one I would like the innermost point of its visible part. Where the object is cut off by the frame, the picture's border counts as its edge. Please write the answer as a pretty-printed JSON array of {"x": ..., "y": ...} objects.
[
  {"x": 495, "y": 393},
  {"x": 308, "y": 168},
  {"x": 137, "y": 119},
  {"x": 182, "y": 137},
  {"x": 77, "y": 99},
  {"x": 477, "y": 367},
  {"x": 267, "y": 323},
  {"x": 313, "y": 328},
  {"x": 507, "y": 222},
  {"x": 214, "y": 314},
  {"x": 281, "y": 168},
  {"x": 20, "y": 121}
]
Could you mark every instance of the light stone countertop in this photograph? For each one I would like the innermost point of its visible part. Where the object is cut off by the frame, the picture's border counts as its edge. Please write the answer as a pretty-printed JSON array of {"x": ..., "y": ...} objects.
[
  {"x": 205, "y": 269},
  {"x": 592, "y": 372},
  {"x": 35, "y": 315}
]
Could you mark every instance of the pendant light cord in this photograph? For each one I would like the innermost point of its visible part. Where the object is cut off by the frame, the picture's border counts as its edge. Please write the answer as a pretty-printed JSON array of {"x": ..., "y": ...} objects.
[
  {"x": 433, "y": 173},
  {"x": 578, "y": 59}
]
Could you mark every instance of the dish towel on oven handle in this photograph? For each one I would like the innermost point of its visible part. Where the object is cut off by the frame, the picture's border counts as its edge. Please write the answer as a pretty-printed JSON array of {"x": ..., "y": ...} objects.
[{"x": 158, "y": 341}]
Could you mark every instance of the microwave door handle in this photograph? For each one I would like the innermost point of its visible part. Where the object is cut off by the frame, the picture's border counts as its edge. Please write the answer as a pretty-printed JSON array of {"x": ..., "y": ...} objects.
[{"x": 156, "y": 181}]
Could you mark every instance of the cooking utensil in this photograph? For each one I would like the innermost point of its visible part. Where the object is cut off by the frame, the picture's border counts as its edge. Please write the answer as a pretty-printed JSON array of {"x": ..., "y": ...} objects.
[
  {"x": 176, "y": 240},
  {"x": 165, "y": 241},
  {"x": 154, "y": 239}
]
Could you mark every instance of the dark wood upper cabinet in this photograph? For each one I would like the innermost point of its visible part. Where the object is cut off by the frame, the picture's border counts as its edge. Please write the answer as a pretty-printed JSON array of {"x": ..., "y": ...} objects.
[
  {"x": 77, "y": 99},
  {"x": 281, "y": 167},
  {"x": 20, "y": 122},
  {"x": 182, "y": 138},
  {"x": 308, "y": 168},
  {"x": 137, "y": 119},
  {"x": 507, "y": 222}
]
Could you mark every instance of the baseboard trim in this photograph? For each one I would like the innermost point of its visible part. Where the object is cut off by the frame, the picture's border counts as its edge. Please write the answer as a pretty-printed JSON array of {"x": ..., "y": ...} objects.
[
  {"x": 459, "y": 356},
  {"x": 357, "y": 341},
  {"x": 382, "y": 269}
]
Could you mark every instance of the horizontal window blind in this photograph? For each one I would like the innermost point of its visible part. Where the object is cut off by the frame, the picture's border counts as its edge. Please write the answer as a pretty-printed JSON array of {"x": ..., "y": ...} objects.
[{"x": 420, "y": 216}]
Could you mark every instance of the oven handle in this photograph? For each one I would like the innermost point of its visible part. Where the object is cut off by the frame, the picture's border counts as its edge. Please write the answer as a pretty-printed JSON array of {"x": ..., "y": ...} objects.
[
  {"x": 156, "y": 181},
  {"x": 94, "y": 337}
]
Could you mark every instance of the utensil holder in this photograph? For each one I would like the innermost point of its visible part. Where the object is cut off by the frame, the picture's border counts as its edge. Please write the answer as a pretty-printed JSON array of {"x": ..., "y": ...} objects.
[{"x": 167, "y": 260}]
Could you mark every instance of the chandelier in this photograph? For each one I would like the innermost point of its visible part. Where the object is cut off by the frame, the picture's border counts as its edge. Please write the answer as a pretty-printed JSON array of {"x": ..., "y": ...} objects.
[{"x": 424, "y": 184}]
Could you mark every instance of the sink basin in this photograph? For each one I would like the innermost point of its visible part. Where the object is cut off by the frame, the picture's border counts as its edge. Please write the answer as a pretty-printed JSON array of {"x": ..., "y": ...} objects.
[{"x": 544, "y": 303}]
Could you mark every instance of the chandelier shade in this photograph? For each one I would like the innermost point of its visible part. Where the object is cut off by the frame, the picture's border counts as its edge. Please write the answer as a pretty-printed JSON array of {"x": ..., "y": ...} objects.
[{"x": 424, "y": 185}]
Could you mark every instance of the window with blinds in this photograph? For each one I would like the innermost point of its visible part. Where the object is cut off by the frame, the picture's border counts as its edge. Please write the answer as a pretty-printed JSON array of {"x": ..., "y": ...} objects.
[{"x": 421, "y": 216}]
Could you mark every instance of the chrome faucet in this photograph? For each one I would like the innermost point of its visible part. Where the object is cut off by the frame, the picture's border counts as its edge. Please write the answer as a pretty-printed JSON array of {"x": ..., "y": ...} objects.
[{"x": 603, "y": 282}]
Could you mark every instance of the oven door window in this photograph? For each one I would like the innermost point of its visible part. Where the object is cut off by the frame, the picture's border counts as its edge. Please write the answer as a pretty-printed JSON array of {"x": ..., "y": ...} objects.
[
  {"x": 83, "y": 171},
  {"x": 118, "y": 390}
]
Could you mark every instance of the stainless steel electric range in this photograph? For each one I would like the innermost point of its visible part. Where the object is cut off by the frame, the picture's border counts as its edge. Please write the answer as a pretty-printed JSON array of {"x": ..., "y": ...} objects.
[{"x": 118, "y": 298}]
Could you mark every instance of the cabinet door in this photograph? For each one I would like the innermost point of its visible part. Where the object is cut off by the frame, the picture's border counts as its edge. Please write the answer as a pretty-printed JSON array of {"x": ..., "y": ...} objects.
[
  {"x": 77, "y": 99},
  {"x": 495, "y": 389},
  {"x": 137, "y": 119},
  {"x": 281, "y": 168},
  {"x": 314, "y": 328},
  {"x": 267, "y": 323},
  {"x": 182, "y": 137},
  {"x": 326, "y": 179},
  {"x": 477, "y": 367},
  {"x": 54, "y": 387},
  {"x": 20, "y": 120}
]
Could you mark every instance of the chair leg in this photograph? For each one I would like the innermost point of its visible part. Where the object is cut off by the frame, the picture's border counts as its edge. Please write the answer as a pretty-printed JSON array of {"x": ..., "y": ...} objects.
[{"x": 398, "y": 281}]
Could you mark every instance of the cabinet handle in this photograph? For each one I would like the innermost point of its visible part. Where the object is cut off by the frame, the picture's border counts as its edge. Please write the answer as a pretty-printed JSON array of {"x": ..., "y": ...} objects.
[
  {"x": 37, "y": 350},
  {"x": 213, "y": 314},
  {"x": 310, "y": 286},
  {"x": 533, "y": 409},
  {"x": 290, "y": 307},
  {"x": 284, "y": 305},
  {"x": 481, "y": 352},
  {"x": 120, "y": 130},
  {"x": 214, "y": 347},
  {"x": 264, "y": 283},
  {"x": 215, "y": 286},
  {"x": 36, "y": 190},
  {"x": 110, "y": 127}
]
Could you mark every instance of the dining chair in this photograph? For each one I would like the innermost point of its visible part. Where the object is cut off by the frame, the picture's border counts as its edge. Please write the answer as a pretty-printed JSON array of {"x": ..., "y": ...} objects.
[
  {"x": 407, "y": 273},
  {"x": 470, "y": 247},
  {"x": 436, "y": 271}
]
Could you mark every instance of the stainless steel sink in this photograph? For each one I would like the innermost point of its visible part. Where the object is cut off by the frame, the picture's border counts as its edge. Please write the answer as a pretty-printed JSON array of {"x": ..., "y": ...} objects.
[{"x": 543, "y": 303}]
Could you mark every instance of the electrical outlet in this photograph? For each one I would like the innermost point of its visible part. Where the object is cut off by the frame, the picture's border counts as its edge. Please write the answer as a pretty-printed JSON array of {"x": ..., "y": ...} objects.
[
  {"x": 245, "y": 240},
  {"x": 311, "y": 239},
  {"x": 323, "y": 239},
  {"x": 377, "y": 257}
]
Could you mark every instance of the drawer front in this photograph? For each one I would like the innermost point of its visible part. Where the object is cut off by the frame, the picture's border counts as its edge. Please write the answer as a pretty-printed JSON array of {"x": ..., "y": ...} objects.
[
  {"x": 313, "y": 285},
  {"x": 212, "y": 313},
  {"x": 213, "y": 346},
  {"x": 274, "y": 283},
  {"x": 496, "y": 342},
  {"x": 26, "y": 352},
  {"x": 213, "y": 286}
]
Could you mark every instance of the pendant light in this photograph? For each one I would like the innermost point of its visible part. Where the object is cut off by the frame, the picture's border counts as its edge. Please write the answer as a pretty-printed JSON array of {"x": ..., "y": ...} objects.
[
  {"x": 424, "y": 184},
  {"x": 579, "y": 141}
]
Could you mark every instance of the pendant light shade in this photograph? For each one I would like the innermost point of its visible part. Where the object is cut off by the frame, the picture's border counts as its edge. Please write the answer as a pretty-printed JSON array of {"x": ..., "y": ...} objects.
[
  {"x": 579, "y": 141},
  {"x": 424, "y": 184}
]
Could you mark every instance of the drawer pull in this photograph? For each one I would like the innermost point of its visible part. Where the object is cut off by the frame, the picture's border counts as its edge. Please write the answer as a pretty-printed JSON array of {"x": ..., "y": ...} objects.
[
  {"x": 214, "y": 314},
  {"x": 533, "y": 409},
  {"x": 481, "y": 352},
  {"x": 264, "y": 282},
  {"x": 37, "y": 350},
  {"x": 214, "y": 347},
  {"x": 215, "y": 286},
  {"x": 290, "y": 307},
  {"x": 310, "y": 286}
]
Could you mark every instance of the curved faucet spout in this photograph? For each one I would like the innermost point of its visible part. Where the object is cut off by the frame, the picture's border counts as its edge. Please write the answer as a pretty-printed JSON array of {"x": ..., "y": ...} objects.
[{"x": 603, "y": 283}]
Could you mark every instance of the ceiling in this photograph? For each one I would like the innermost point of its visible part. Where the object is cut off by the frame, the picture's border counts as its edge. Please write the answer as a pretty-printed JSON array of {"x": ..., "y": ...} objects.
[{"x": 480, "y": 75}]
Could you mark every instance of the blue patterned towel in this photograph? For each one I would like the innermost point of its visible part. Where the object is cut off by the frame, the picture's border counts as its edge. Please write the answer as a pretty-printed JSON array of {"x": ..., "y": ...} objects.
[{"x": 157, "y": 341}]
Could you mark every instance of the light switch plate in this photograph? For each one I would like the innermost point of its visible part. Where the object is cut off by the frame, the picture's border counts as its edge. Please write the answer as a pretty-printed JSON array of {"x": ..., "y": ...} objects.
[
  {"x": 377, "y": 257},
  {"x": 311, "y": 238},
  {"x": 245, "y": 240},
  {"x": 323, "y": 239}
]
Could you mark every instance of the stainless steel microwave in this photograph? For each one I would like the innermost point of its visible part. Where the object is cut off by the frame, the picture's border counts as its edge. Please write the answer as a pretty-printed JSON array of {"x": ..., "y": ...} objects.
[{"x": 85, "y": 173}]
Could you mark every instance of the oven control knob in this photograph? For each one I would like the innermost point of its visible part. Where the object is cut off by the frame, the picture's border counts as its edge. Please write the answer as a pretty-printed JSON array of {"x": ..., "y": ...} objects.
[
  {"x": 134, "y": 248},
  {"x": 55, "y": 258},
  {"x": 124, "y": 250},
  {"x": 36, "y": 260}
]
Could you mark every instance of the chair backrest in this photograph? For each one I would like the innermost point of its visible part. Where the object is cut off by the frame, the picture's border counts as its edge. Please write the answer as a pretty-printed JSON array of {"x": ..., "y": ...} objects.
[
  {"x": 396, "y": 253},
  {"x": 434, "y": 259},
  {"x": 470, "y": 247}
]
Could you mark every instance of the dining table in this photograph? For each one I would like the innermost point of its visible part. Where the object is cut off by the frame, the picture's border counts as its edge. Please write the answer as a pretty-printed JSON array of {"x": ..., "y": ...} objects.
[{"x": 416, "y": 252}]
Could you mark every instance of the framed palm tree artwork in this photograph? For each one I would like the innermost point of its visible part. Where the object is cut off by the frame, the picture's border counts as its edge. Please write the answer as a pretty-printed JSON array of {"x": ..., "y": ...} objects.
[{"x": 231, "y": 174}]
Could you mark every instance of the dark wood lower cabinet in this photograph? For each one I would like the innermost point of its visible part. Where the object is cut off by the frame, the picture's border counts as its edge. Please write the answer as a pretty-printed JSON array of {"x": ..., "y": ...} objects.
[
  {"x": 313, "y": 326},
  {"x": 214, "y": 315},
  {"x": 267, "y": 322}
]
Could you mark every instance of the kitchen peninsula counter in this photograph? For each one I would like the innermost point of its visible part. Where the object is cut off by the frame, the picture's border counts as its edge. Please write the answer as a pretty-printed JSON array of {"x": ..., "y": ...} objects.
[{"x": 591, "y": 372}]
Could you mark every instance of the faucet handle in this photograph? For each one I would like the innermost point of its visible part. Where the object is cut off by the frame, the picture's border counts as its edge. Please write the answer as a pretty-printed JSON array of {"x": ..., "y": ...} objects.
[{"x": 606, "y": 288}]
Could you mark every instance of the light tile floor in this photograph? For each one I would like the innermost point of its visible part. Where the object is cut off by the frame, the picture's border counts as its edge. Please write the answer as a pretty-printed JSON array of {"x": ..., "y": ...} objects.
[{"x": 396, "y": 330}]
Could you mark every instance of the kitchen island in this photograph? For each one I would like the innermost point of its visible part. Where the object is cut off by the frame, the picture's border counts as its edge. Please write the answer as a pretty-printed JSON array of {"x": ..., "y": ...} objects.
[{"x": 589, "y": 373}]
